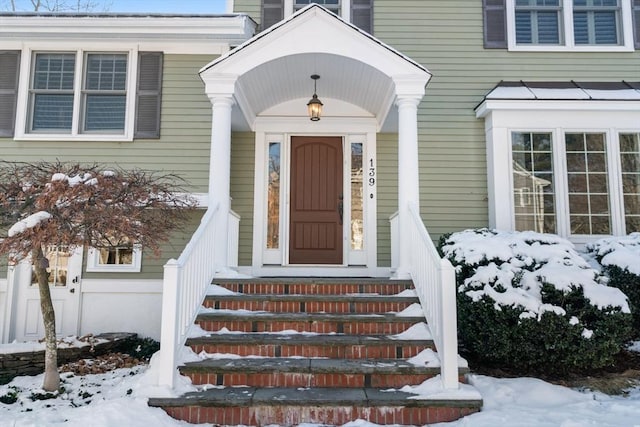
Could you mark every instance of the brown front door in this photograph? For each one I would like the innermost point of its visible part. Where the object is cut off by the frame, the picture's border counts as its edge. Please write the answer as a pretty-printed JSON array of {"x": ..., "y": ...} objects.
[{"x": 316, "y": 200}]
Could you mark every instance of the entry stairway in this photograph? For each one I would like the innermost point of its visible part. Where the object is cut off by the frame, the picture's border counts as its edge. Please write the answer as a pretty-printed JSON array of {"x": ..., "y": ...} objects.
[{"x": 326, "y": 351}]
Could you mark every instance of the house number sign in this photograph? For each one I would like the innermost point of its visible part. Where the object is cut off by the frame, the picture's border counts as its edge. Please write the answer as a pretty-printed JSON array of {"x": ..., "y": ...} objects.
[{"x": 372, "y": 176}]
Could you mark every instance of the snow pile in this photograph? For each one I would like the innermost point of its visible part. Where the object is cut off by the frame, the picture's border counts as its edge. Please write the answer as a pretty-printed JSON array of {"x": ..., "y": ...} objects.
[
  {"x": 29, "y": 222},
  {"x": 623, "y": 252},
  {"x": 511, "y": 268}
]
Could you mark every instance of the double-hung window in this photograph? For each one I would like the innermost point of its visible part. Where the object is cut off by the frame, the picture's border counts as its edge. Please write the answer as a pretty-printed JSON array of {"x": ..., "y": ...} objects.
[
  {"x": 80, "y": 95},
  {"x": 548, "y": 25},
  {"x": 538, "y": 21},
  {"x": 596, "y": 22},
  {"x": 62, "y": 102},
  {"x": 358, "y": 12}
]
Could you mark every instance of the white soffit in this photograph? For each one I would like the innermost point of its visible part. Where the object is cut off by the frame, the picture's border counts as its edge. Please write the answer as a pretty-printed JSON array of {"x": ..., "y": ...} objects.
[{"x": 275, "y": 67}]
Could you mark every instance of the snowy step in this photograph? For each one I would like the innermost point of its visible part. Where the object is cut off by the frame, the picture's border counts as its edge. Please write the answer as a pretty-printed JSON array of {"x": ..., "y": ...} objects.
[
  {"x": 315, "y": 286},
  {"x": 311, "y": 345},
  {"x": 329, "y": 406},
  {"x": 307, "y": 372},
  {"x": 252, "y": 321},
  {"x": 306, "y": 303}
]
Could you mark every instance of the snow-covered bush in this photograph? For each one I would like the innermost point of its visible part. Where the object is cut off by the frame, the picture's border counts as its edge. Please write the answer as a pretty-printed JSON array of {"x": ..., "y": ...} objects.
[
  {"x": 620, "y": 260},
  {"x": 530, "y": 302}
]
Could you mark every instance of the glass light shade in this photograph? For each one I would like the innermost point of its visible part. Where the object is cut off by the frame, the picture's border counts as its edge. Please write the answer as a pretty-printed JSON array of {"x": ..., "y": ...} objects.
[{"x": 315, "y": 108}]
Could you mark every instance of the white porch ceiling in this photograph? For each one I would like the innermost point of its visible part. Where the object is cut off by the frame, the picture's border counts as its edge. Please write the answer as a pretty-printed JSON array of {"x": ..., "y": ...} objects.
[{"x": 288, "y": 78}]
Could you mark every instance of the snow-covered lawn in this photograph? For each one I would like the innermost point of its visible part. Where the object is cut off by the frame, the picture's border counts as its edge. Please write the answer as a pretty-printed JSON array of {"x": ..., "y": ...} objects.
[{"x": 118, "y": 398}]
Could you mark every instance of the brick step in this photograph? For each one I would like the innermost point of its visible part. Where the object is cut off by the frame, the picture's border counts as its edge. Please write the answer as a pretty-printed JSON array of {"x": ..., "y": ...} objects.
[
  {"x": 328, "y": 406},
  {"x": 360, "y": 303},
  {"x": 305, "y": 372},
  {"x": 324, "y": 323},
  {"x": 310, "y": 345},
  {"x": 315, "y": 286}
]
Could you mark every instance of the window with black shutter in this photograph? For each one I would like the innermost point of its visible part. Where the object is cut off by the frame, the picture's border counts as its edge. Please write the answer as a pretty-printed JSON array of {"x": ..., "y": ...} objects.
[
  {"x": 148, "y": 95},
  {"x": 9, "y": 71},
  {"x": 362, "y": 14},
  {"x": 495, "y": 24},
  {"x": 272, "y": 12}
]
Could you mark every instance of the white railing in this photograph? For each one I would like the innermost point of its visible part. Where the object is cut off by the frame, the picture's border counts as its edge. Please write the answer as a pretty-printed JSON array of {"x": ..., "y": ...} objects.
[
  {"x": 435, "y": 283},
  {"x": 184, "y": 287},
  {"x": 234, "y": 239}
]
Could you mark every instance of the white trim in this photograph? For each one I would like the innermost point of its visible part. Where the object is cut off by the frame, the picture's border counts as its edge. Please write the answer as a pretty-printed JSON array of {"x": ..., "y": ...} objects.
[
  {"x": 345, "y": 9},
  {"x": 503, "y": 117},
  {"x": 122, "y": 286},
  {"x": 166, "y": 33},
  {"x": 280, "y": 129},
  {"x": 566, "y": 32},
  {"x": 93, "y": 262},
  {"x": 22, "y": 109}
]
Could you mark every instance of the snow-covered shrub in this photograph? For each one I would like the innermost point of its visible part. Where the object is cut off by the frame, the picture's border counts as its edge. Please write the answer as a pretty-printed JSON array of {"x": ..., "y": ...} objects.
[
  {"x": 530, "y": 302},
  {"x": 620, "y": 260}
]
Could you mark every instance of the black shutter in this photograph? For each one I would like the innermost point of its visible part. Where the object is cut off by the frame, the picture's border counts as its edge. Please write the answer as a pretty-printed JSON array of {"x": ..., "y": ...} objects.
[
  {"x": 636, "y": 23},
  {"x": 495, "y": 24},
  {"x": 362, "y": 14},
  {"x": 9, "y": 71},
  {"x": 272, "y": 12},
  {"x": 148, "y": 95}
]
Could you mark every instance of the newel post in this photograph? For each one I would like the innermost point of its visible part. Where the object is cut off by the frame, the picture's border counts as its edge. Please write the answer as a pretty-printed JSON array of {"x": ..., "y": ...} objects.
[{"x": 170, "y": 326}]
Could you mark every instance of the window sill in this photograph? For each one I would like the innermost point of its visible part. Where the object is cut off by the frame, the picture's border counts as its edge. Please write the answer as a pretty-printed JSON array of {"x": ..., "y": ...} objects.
[
  {"x": 555, "y": 48},
  {"x": 68, "y": 137}
]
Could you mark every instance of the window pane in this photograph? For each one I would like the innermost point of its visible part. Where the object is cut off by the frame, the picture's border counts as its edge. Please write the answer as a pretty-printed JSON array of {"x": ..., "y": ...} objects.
[
  {"x": 105, "y": 112},
  {"x": 533, "y": 192},
  {"x": 58, "y": 258},
  {"x": 54, "y": 71},
  {"x": 357, "y": 197},
  {"x": 115, "y": 256},
  {"x": 273, "y": 202},
  {"x": 52, "y": 112},
  {"x": 538, "y": 22},
  {"x": 630, "y": 167},
  {"x": 596, "y": 22},
  {"x": 587, "y": 184},
  {"x": 106, "y": 72}
]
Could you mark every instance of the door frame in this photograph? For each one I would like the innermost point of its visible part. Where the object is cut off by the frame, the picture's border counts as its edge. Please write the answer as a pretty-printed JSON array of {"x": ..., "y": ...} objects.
[
  {"x": 266, "y": 262},
  {"x": 25, "y": 292}
]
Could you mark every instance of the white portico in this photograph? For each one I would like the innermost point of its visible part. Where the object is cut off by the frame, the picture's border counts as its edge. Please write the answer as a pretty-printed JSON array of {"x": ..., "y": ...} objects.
[{"x": 366, "y": 88}]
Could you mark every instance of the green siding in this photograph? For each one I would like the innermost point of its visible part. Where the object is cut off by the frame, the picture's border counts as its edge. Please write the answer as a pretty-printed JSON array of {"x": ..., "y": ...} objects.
[
  {"x": 387, "y": 189},
  {"x": 152, "y": 265},
  {"x": 185, "y": 132},
  {"x": 250, "y": 7},
  {"x": 242, "y": 176},
  {"x": 446, "y": 37},
  {"x": 184, "y": 148}
]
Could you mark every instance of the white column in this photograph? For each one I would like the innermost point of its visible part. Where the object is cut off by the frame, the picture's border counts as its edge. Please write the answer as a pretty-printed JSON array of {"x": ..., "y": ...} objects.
[
  {"x": 408, "y": 175},
  {"x": 220, "y": 171}
]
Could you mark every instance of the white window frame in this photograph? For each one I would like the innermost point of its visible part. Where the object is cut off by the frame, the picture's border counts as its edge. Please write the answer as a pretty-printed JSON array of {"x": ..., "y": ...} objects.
[
  {"x": 345, "y": 9},
  {"x": 23, "y": 132},
  {"x": 566, "y": 32},
  {"x": 503, "y": 117},
  {"x": 93, "y": 262}
]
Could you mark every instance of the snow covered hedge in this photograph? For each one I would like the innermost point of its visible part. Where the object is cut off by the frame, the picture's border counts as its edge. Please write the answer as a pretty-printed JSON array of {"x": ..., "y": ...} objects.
[
  {"x": 620, "y": 260},
  {"x": 530, "y": 302}
]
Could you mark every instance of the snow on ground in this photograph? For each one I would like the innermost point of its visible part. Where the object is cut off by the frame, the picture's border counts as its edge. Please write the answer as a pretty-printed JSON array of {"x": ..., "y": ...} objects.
[{"x": 118, "y": 398}]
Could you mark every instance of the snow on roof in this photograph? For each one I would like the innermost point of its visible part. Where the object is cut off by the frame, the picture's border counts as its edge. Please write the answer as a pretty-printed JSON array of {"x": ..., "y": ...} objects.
[{"x": 566, "y": 90}]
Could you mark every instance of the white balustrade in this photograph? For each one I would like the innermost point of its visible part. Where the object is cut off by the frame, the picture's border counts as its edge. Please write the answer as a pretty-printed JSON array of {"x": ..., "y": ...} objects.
[
  {"x": 184, "y": 287},
  {"x": 435, "y": 283}
]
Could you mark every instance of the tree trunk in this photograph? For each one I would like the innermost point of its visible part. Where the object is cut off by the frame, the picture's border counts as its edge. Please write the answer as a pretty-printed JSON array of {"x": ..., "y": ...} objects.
[{"x": 51, "y": 376}]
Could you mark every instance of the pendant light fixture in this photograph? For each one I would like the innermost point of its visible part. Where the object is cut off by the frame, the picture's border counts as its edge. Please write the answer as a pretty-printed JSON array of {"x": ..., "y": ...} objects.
[{"x": 314, "y": 105}]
